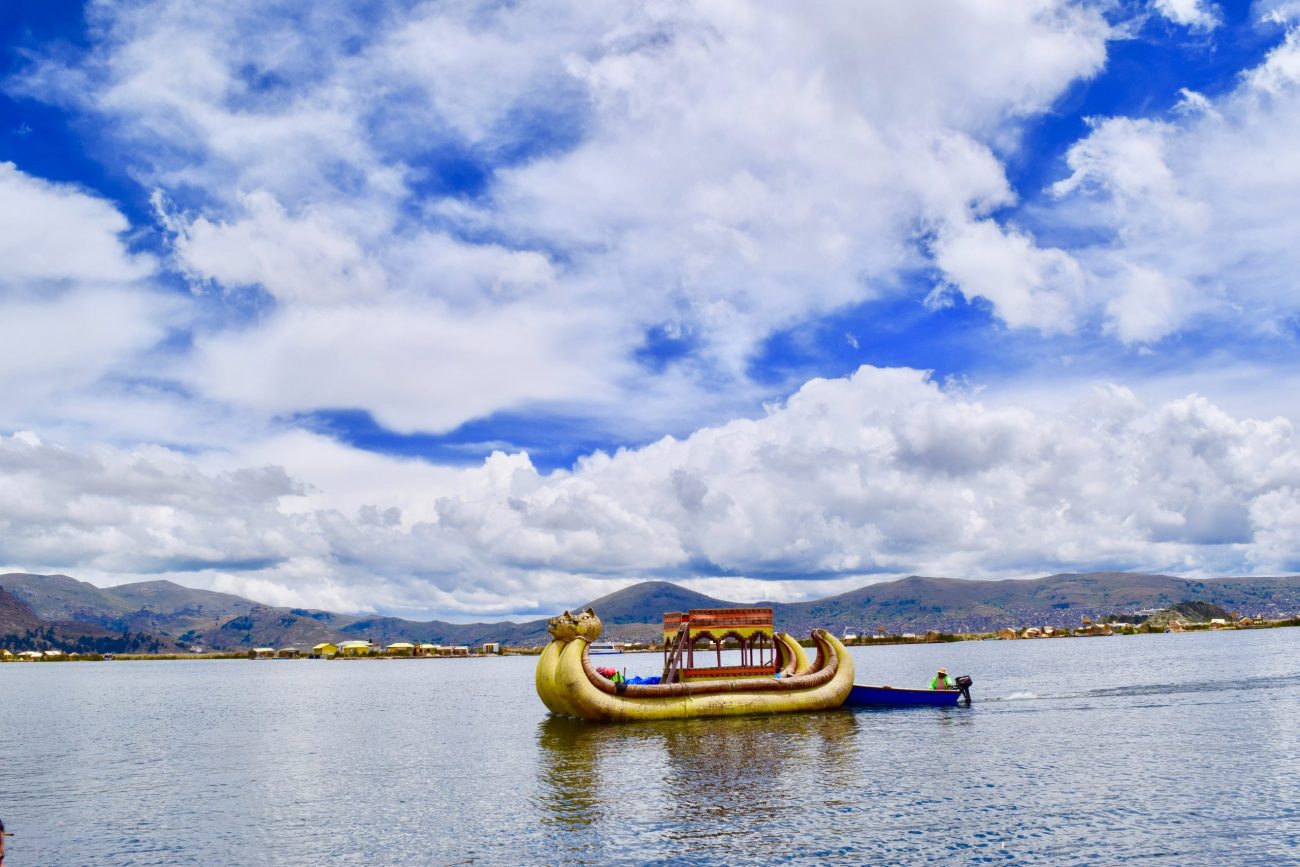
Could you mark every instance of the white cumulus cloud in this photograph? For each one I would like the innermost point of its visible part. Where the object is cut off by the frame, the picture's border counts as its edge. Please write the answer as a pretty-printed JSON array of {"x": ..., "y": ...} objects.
[
  {"x": 1197, "y": 14},
  {"x": 1196, "y": 210},
  {"x": 56, "y": 233}
]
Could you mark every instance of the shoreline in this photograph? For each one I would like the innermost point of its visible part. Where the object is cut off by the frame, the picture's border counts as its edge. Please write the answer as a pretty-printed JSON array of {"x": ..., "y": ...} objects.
[
  {"x": 240, "y": 656},
  {"x": 932, "y": 637}
]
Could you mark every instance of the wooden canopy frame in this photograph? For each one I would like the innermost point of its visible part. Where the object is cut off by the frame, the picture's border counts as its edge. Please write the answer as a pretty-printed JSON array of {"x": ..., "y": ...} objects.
[{"x": 751, "y": 628}]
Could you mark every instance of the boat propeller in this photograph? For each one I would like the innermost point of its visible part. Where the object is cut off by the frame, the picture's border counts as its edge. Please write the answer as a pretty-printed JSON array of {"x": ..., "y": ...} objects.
[{"x": 964, "y": 683}]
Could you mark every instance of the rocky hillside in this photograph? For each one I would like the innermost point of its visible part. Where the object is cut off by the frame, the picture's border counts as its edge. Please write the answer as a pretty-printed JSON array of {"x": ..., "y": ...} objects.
[
  {"x": 1187, "y": 612},
  {"x": 161, "y": 608},
  {"x": 15, "y": 616},
  {"x": 264, "y": 626},
  {"x": 21, "y": 629}
]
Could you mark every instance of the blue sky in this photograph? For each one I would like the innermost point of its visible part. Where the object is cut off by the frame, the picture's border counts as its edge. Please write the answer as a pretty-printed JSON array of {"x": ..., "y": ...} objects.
[{"x": 479, "y": 309}]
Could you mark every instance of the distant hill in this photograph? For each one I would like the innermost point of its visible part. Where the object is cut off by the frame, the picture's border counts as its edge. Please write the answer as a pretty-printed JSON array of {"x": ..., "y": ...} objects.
[
  {"x": 21, "y": 629},
  {"x": 265, "y": 626},
  {"x": 162, "y": 608},
  {"x": 649, "y": 599},
  {"x": 386, "y": 630},
  {"x": 171, "y": 614},
  {"x": 174, "y": 600},
  {"x": 60, "y": 597},
  {"x": 916, "y": 603}
]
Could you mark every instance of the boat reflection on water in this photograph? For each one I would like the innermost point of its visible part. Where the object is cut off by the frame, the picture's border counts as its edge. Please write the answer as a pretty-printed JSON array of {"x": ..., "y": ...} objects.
[
  {"x": 698, "y": 767},
  {"x": 570, "y": 776}
]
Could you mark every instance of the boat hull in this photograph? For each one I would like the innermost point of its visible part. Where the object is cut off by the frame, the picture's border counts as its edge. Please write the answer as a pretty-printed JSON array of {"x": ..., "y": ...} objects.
[{"x": 887, "y": 696}]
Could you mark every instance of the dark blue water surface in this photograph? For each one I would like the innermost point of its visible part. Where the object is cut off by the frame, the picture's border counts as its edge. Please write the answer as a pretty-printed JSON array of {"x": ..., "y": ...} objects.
[{"x": 1181, "y": 748}]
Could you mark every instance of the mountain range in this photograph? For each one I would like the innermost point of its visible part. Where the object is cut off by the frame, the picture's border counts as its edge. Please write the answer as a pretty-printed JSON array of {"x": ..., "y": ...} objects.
[{"x": 161, "y": 616}]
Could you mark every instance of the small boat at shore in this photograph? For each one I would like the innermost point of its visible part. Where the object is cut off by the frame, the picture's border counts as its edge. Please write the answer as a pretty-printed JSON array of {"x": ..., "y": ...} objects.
[
  {"x": 598, "y": 648},
  {"x": 774, "y": 674},
  {"x": 862, "y": 695}
]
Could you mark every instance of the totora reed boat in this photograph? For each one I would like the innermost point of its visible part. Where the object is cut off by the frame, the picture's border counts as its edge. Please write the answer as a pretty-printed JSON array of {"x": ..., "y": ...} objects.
[{"x": 774, "y": 674}]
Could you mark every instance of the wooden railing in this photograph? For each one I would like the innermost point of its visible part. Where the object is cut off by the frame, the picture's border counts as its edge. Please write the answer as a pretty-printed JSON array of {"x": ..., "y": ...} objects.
[{"x": 727, "y": 671}]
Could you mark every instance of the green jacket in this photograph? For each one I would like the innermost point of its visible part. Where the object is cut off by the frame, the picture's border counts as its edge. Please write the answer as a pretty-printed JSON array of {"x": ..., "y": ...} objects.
[{"x": 946, "y": 684}]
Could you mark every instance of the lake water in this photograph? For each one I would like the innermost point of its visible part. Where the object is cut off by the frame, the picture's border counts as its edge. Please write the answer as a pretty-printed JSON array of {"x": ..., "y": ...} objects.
[{"x": 1183, "y": 748}]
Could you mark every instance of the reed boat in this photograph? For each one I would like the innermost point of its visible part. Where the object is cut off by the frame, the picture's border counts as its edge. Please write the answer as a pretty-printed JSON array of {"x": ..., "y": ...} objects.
[{"x": 774, "y": 674}]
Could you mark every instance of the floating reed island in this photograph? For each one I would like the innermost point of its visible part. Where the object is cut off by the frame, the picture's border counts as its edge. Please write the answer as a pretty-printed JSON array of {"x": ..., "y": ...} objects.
[{"x": 366, "y": 648}]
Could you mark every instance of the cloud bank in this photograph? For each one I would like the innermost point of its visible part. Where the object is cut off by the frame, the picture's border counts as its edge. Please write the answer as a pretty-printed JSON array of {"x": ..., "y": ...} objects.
[{"x": 879, "y": 474}]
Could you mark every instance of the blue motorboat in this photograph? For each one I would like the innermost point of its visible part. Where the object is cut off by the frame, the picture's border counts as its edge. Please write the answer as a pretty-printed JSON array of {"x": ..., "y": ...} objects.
[{"x": 890, "y": 696}]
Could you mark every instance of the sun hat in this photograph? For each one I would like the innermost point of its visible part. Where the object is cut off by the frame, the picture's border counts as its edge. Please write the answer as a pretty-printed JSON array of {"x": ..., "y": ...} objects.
[{"x": 943, "y": 671}]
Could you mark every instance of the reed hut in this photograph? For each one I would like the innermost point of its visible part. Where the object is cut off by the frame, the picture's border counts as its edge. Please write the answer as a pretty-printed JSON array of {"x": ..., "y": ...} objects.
[{"x": 355, "y": 648}]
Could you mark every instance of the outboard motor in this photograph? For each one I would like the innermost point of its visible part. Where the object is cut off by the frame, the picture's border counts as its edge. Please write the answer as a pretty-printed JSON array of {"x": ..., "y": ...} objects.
[{"x": 964, "y": 683}]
